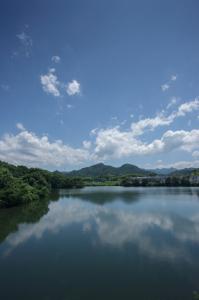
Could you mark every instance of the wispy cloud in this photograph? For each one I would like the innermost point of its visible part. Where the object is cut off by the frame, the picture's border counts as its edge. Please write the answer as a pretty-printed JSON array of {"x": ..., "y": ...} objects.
[
  {"x": 20, "y": 126},
  {"x": 69, "y": 106},
  {"x": 26, "y": 42},
  {"x": 166, "y": 86},
  {"x": 138, "y": 128},
  {"x": 56, "y": 59},
  {"x": 5, "y": 87},
  {"x": 195, "y": 154},
  {"x": 173, "y": 77},
  {"x": 172, "y": 102}
]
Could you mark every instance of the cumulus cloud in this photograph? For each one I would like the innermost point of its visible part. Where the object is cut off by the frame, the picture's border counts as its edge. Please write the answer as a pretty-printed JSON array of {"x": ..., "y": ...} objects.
[
  {"x": 139, "y": 127},
  {"x": 56, "y": 59},
  {"x": 104, "y": 143},
  {"x": 188, "y": 107},
  {"x": 73, "y": 88},
  {"x": 87, "y": 144},
  {"x": 50, "y": 83},
  {"x": 27, "y": 148},
  {"x": 114, "y": 143}
]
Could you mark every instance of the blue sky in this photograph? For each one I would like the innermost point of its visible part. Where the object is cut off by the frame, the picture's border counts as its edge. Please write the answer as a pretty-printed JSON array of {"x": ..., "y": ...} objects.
[{"x": 112, "y": 81}]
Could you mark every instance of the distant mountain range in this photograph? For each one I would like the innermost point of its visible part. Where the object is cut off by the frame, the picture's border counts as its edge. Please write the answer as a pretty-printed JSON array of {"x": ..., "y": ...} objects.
[
  {"x": 164, "y": 171},
  {"x": 101, "y": 169},
  {"x": 104, "y": 170},
  {"x": 186, "y": 171}
]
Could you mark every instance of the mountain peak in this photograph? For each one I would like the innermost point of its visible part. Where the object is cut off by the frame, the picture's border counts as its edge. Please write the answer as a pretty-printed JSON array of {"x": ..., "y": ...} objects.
[
  {"x": 101, "y": 169},
  {"x": 99, "y": 165}
]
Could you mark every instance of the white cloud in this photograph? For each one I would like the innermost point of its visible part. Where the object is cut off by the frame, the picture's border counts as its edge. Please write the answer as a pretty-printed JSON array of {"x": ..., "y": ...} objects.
[
  {"x": 165, "y": 87},
  {"x": 109, "y": 143},
  {"x": 172, "y": 102},
  {"x": 73, "y": 88},
  {"x": 188, "y": 107},
  {"x": 195, "y": 154},
  {"x": 50, "y": 83},
  {"x": 139, "y": 127},
  {"x": 56, "y": 59},
  {"x": 93, "y": 132},
  {"x": 27, "y": 148},
  {"x": 161, "y": 119},
  {"x": 20, "y": 126},
  {"x": 26, "y": 42},
  {"x": 87, "y": 144},
  {"x": 179, "y": 164},
  {"x": 168, "y": 84},
  {"x": 114, "y": 143},
  {"x": 173, "y": 77},
  {"x": 69, "y": 106},
  {"x": 186, "y": 164}
]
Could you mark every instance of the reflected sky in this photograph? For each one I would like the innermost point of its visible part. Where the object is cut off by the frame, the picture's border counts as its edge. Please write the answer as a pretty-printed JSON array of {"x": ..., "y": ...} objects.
[
  {"x": 102, "y": 243},
  {"x": 160, "y": 224}
]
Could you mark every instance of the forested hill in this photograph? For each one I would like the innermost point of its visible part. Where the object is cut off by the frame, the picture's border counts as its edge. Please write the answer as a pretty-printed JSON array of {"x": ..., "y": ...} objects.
[
  {"x": 105, "y": 170},
  {"x": 19, "y": 184}
]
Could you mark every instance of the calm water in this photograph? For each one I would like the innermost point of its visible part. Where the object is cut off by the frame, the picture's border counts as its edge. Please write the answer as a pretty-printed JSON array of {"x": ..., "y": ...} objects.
[{"x": 102, "y": 243}]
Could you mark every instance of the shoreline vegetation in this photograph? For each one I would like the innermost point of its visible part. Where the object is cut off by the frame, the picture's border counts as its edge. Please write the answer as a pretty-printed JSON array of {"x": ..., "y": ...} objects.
[{"x": 21, "y": 185}]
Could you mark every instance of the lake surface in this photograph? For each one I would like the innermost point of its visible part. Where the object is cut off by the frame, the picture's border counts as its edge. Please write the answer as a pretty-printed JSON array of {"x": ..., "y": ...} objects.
[{"x": 102, "y": 243}]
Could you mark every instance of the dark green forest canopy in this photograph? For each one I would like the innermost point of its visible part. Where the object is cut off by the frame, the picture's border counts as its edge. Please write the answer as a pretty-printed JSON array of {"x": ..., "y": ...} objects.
[{"x": 20, "y": 185}]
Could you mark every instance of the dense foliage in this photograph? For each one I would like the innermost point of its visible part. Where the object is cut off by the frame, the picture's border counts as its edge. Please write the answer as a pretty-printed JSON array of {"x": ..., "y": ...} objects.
[{"x": 20, "y": 185}]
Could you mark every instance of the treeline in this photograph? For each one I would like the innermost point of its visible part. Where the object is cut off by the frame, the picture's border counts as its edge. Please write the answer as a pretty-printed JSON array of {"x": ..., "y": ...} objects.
[
  {"x": 170, "y": 181},
  {"x": 19, "y": 184}
]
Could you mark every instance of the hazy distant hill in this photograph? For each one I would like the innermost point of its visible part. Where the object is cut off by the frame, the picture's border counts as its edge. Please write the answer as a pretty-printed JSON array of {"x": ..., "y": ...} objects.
[
  {"x": 104, "y": 170},
  {"x": 163, "y": 171},
  {"x": 187, "y": 171}
]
